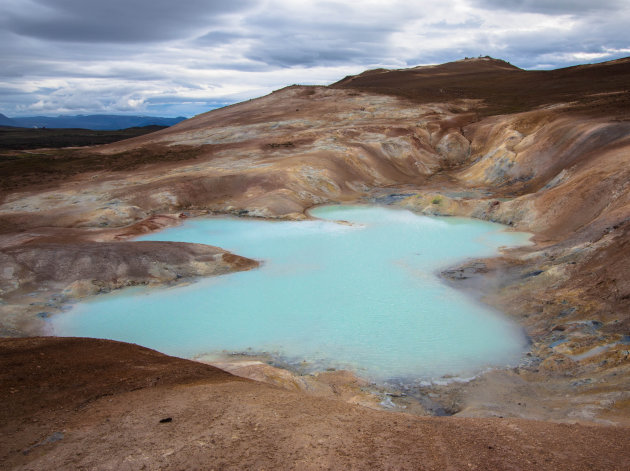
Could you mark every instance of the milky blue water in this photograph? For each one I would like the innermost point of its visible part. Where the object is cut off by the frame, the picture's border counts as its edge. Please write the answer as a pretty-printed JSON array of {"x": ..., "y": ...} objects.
[{"x": 363, "y": 296}]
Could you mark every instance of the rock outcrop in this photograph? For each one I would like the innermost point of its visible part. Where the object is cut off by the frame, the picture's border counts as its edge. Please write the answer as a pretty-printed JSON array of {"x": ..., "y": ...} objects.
[{"x": 88, "y": 268}]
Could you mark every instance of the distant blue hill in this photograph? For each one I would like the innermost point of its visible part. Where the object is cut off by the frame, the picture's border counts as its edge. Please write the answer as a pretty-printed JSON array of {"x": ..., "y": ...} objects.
[
  {"x": 4, "y": 121},
  {"x": 100, "y": 122}
]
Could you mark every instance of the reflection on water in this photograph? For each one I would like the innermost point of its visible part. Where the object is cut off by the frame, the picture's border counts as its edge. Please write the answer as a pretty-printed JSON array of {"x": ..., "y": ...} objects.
[{"x": 363, "y": 296}]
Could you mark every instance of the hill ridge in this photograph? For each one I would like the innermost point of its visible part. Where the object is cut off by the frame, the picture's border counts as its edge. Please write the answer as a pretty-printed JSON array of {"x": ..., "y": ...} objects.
[{"x": 503, "y": 87}]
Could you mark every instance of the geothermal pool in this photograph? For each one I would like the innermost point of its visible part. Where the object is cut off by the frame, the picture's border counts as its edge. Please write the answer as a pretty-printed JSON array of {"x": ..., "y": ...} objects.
[{"x": 363, "y": 296}]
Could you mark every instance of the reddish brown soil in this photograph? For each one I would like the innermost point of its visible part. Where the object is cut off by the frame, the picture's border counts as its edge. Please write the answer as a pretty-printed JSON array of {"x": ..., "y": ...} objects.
[
  {"x": 95, "y": 404},
  {"x": 598, "y": 88},
  {"x": 46, "y": 168}
]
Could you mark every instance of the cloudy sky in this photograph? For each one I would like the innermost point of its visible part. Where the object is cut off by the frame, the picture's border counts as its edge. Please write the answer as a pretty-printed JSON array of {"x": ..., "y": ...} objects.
[{"x": 184, "y": 57}]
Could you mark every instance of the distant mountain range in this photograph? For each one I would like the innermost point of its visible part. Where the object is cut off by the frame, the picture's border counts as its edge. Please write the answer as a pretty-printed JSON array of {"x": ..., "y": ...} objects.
[{"x": 99, "y": 122}]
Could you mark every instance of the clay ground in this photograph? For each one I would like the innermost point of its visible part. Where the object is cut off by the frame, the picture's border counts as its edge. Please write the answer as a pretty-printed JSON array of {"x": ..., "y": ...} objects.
[{"x": 94, "y": 404}]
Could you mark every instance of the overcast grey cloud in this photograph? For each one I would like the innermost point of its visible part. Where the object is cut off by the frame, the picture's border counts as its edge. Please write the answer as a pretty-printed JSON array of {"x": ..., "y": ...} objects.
[
  {"x": 114, "y": 20},
  {"x": 172, "y": 58},
  {"x": 556, "y": 7},
  {"x": 308, "y": 40}
]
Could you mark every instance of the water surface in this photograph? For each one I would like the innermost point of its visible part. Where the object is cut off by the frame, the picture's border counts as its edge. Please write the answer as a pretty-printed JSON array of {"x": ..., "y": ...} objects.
[{"x": 363, "y": 296}]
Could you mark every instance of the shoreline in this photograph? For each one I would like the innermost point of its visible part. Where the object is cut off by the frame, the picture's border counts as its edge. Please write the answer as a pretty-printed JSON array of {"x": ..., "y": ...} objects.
[
  {"x": 494, "y": 393},
  {"x": 418, "y": 388},
  {"x": 421, "y": 397}
]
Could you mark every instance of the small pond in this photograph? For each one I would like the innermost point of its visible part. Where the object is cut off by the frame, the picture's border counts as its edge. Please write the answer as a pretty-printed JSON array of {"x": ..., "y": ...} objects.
[{"x": 362, "y": 295}]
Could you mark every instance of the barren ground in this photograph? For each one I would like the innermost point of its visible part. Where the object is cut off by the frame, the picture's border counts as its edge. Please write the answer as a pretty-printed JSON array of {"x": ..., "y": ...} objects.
[
  {"x": 545, "y": 152},
  {"x": 94, "y": 404}
]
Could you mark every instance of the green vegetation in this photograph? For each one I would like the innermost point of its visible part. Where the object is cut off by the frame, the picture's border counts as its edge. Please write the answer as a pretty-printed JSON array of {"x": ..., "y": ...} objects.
[{"x": 37, "y": 138}]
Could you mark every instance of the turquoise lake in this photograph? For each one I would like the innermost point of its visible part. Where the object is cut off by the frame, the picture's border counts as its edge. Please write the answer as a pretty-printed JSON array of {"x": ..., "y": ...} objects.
[{"x": 364, "y": 296}]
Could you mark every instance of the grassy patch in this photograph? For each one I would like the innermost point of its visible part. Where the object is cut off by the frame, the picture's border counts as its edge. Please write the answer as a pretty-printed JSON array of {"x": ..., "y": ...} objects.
[{"x": 27, "y": 138}]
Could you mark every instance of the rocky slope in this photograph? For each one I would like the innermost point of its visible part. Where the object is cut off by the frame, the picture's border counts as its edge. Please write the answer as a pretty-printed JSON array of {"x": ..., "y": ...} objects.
[{"x": 542, "y": 151}]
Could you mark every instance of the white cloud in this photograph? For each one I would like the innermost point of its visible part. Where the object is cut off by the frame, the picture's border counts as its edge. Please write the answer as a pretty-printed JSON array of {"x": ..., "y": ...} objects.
[{"x": 171, "y": 58}]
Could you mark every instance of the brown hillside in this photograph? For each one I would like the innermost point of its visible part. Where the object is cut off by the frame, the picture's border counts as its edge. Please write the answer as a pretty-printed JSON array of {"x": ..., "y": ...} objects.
[
  {"x": 598, "y": 88},
  {"x": 95, "y": 404}
]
